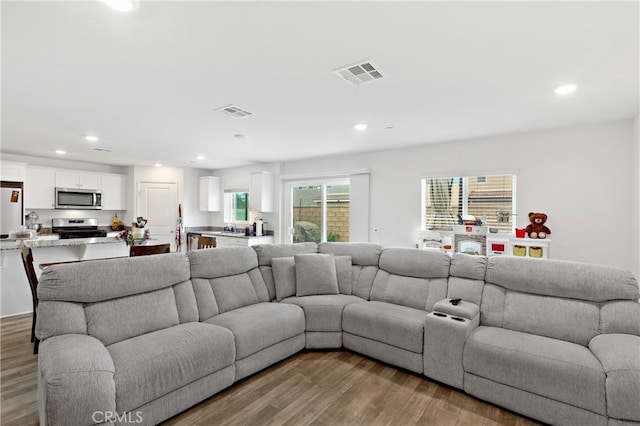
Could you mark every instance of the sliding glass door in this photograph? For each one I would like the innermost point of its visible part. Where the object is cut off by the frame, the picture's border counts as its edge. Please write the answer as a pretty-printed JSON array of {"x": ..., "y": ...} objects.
[{"x": 318, "y": 211}]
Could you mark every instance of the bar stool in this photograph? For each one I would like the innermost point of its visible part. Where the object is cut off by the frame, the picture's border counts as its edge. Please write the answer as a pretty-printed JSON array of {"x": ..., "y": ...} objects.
[
  {"x": 206, "y": 242},
  {"x": 27, "y": 261},
  {"x": 147, "y": 250}
]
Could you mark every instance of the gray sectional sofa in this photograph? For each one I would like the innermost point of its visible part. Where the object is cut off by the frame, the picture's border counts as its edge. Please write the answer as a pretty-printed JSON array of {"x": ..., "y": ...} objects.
[{"x": 142, "y": 339}]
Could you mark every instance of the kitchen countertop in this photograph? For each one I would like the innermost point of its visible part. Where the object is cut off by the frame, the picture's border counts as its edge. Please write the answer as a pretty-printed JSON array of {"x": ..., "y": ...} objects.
[
  {"x": 231, "y": 234},
  {"x": 48, "y": 242}
]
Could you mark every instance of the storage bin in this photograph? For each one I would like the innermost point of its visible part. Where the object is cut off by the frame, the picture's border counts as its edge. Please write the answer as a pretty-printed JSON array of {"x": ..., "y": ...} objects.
[
  {"x": 535, "y": 252},
  {"x": 519, "y": 250}
]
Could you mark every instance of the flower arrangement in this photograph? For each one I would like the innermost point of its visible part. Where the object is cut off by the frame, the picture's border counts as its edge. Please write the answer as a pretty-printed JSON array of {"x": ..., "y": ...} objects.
[{"x": 138, "y": 230}]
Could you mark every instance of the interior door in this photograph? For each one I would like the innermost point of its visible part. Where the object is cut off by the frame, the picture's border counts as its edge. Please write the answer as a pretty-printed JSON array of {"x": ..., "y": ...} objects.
[{"x": 158, "y": 203}]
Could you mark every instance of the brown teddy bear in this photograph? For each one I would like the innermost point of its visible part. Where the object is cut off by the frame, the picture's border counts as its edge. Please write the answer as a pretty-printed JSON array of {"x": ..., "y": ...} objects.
[{"x": 536, "y": 228}]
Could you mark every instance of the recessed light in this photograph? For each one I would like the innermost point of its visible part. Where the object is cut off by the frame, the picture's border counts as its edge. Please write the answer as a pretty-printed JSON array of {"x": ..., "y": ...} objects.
[
  {"x": 360, "y": 127},
  {"x": 389, "y": 128},
  {"x": 91, "y": 138},
  {"x": 200, "y": 157},
  {"x": 122, "y": 5},
  {"x": 240, "y": 136},
  {"x": 61, "y": 151},
  {"x": 565, "y": 89},
  {"x": 157, "y": 164}
]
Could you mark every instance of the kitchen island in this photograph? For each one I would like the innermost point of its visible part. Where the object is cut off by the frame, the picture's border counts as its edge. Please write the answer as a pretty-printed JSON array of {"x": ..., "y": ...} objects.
[{"x": 15, "y": 296}]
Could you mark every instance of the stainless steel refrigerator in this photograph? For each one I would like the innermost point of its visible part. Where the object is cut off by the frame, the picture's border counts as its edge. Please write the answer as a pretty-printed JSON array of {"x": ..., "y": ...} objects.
[{"x": 11, "y": 207}]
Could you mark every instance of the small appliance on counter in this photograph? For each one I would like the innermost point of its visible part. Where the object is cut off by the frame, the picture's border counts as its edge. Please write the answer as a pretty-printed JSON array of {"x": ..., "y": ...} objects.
[{"x": 76, "y": 228}]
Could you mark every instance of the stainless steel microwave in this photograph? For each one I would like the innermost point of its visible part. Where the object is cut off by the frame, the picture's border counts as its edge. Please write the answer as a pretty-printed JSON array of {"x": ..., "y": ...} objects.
[{"x": 78, "y": 199}]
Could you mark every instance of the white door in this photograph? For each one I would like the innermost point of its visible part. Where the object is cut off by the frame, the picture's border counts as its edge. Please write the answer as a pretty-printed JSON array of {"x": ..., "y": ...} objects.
[{"x": 158, "y": 203}]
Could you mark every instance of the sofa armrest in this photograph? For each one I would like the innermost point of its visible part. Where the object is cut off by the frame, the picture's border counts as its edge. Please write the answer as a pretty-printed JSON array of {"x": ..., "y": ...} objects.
[
  {"x": 463, "y": 309},
  {"x": 75, "y": 380},
  {"x": 619, "y": 355}
]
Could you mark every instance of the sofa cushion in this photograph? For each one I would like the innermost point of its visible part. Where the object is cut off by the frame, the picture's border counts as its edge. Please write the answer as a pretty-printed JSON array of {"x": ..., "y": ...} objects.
[
  {"x": 152, "y": 365},
  {"x": 364, "y": 259},
  {"x": 100, "y": 280},
  {"x": 260, "y": 326},
  {"x": 315, "y": 274},
  {"x": 233, "y": 292},
  {"x": 548, "y": 367},
  {"x": 119, "y": 319},
  {"x": 284, "y": 276},
  {"x": 323, "y": 312},
  {"x": 561, "y": 278},
  {"x": 413, "y": 292},
  {"x": 619, "y": 355},
  {"x": 395, "y": 325},
  {"x": 222, "y": 263}
]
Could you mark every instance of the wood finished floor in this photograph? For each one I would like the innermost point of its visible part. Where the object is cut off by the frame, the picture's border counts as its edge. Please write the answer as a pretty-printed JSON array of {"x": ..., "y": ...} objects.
[{"x": 310, "y": 388}]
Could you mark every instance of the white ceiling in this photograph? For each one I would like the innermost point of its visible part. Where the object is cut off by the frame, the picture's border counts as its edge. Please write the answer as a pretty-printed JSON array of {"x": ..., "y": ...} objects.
[{"x": 148, "y": 83}]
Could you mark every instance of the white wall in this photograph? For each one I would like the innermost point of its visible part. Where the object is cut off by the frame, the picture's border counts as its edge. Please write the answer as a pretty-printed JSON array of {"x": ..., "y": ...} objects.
[
  {"x": 635, "y": 224},
  {"x": 581, "y": 177}
]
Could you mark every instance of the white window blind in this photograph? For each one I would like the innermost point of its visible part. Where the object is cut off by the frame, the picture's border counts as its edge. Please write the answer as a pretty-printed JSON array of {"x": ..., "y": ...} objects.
[{"x": 488, "y": 197}]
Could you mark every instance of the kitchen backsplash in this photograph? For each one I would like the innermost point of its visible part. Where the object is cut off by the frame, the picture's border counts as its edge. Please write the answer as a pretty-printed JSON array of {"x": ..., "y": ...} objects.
[{"x": 104, "y": 216}]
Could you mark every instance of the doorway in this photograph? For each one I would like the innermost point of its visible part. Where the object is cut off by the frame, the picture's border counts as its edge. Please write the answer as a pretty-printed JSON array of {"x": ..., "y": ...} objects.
[{"x": 158, "y": 203}]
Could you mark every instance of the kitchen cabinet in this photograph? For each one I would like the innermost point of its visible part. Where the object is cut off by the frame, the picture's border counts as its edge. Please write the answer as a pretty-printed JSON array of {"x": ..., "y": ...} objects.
[
  {"x": 113, "y": 192},
  {"x": 210, "y": 194},
  {"x": 39, "y": 188},
  {"x": 12, "y": 171},
  {"x": 240, "y": 241},
  {"x": 261, "y": 192},
  {"x": 76, "y": 179}
]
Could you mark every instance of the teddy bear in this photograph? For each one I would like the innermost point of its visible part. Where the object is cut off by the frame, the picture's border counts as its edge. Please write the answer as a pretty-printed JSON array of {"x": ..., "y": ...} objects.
[{"x": 536, "y": 228}]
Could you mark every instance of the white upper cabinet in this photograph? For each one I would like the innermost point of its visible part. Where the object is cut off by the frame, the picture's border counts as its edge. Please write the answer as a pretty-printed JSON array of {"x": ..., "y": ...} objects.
[
  {"x": 261, "y": 192},
  {"x": 12, "y": 171},
  {"x": 39, "y": 188},
  {"x": 210, "y": 194},
  {"x": 113, "y": 192},
  {"x": 76, "y": 179}
]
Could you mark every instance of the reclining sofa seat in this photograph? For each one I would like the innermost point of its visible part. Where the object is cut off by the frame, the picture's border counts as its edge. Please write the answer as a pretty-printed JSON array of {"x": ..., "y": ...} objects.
[
  {"x": 231, "y": 292},
  {"x": 390, "y": 327},
  {"x": 555, "y": 342},
  {"x": 323, "y": 312},
  {"x": 122, "y": 336}
]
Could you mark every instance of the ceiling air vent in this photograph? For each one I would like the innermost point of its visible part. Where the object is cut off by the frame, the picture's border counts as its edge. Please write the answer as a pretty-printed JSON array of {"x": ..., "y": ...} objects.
[
  {"x": 234, "y": 111},
  {"x": 360, "y": 73}
]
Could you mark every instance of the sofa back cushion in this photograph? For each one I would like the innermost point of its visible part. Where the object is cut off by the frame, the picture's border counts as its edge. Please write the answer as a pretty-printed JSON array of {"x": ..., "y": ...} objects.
[
  {"x": 315, "y": 274},
  {"x": 116, "y": 299},
  {"x": 365, "y": 258},
  {"x": 620, "y": 316},
  {"x": 226, "y": 278},
  {"x": 466, "y": 277},
  {"x": 284, "y": 275},
  {"x": 411, "y": 277},
  {"x": 267, "y": 252},
  {"x": 558, "y": 299}
]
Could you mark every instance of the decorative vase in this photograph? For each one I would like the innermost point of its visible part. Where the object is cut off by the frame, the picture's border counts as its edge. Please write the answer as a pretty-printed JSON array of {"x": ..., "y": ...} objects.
[{"x": 138, "y": 233}]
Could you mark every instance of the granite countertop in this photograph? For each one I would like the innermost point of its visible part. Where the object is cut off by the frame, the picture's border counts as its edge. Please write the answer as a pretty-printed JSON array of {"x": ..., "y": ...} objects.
[
  {"x": 41, "y": 242},
  {"x": 231, "y": 234}
]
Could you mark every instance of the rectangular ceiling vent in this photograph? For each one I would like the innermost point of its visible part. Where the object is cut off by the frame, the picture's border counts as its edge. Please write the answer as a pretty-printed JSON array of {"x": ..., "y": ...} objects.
[
  {"x": 360, "y": 73},
  {"x": 234, "y": 111}
]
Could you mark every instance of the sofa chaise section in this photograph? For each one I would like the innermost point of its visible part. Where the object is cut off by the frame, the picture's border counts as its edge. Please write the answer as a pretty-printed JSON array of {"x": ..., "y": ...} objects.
[
  {"x": 231, "y": 293},
  {"x": 531, "y": 352},
  {"x": 121, "y": 336},
  {"x": 390, "y": 327}
]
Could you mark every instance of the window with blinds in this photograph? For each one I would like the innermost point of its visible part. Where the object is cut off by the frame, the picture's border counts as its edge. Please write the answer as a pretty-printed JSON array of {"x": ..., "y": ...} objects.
[{"x": 490, "y": 198}]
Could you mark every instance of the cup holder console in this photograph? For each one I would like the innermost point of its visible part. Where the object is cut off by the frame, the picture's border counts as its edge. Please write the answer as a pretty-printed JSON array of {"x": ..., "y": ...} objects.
[{"x": 441, "y": 315}]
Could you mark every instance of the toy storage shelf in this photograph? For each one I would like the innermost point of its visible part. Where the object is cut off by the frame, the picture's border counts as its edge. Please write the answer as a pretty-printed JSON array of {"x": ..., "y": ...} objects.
[{"x": 508, "y": 245}]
